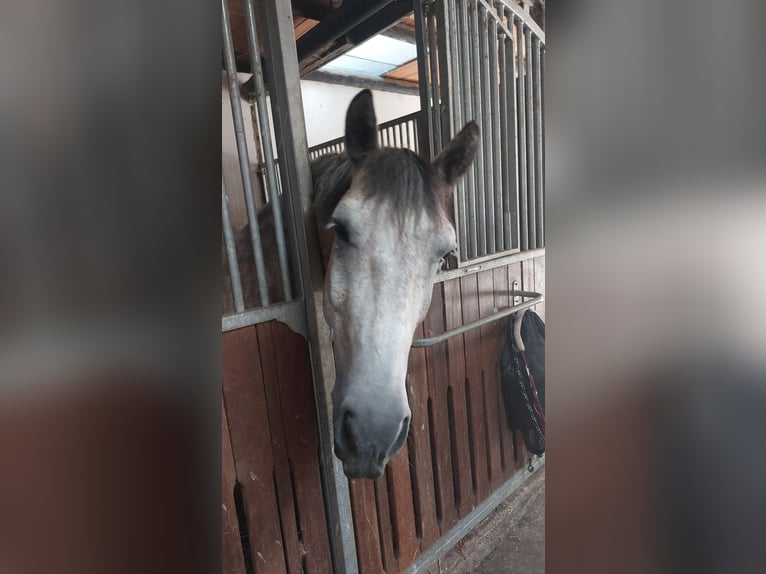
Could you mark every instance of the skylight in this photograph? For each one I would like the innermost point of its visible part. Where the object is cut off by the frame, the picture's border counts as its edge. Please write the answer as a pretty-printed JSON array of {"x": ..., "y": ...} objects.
[{"x": 375, "y": 57}]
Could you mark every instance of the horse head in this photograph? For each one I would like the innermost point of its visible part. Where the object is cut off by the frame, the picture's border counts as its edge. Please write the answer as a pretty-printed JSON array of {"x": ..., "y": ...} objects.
[{"x": 392, "y": 229}]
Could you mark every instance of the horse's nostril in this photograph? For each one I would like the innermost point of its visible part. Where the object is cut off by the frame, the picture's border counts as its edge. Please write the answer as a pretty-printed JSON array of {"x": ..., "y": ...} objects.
[{"x": 346, "y": 433}]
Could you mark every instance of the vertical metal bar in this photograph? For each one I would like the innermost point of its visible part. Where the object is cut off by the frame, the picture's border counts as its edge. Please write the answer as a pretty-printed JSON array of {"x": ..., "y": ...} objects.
[
  {"x": 476, "y": 66},
  {"x": 485, "y": 91},
  {"x": 436, "y": 122},
  {"x": 285, "y": 89},
  {"x": 538, "y": 111},
  {"x": 452, "y": 29},
  {"x": 522, "y": 134},
  {"x": 231, "y": 252},
  {"x": 244, "y": 157},
  {"x": 443, "y": 23},
  {"x": 268, "y": 150},
  {"x": 469, "y": 203},
  {"x": 425, "y": 141},
  {"x": 505, "y": 121},
  {"x": 494, "y": 85},
  {"x": 531, "y": 199},
  {"x": 542, "y": 130}
]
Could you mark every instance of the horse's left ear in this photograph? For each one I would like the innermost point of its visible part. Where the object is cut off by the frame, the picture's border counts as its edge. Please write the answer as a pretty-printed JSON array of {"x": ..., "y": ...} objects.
[
  {"x": 361, "y": 127},
  {"x": 453, "y": 161}
]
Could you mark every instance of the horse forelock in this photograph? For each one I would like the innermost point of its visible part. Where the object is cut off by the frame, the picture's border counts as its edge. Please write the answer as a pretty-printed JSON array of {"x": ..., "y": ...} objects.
[{"x": 398, "y": 177}]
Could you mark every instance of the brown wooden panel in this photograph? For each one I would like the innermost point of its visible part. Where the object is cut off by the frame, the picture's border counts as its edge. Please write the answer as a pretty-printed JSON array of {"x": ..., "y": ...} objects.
[
  {"x": 232, "y": 558},
  {"x": 283, "y": 484},
  {"x": 385, "y": 528},
  {"x": 438, "y": 381},
  {"x": 245, "y": 402},
  {"x": 503, "y": 299},
  {"x": 419, "y": 448},
  {"x": 296, "y": 392},
  {"x": 461, "y": 453},
  {"x": 364, "y": 512},
  {"x": 402, "y": 511},
  {"x": 490, "y": 375},
  {"x": 478, "y": 432}
]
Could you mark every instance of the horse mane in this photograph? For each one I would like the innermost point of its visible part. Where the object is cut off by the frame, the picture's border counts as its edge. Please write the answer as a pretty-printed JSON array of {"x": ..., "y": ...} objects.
[{"x": 331, "y": 174}]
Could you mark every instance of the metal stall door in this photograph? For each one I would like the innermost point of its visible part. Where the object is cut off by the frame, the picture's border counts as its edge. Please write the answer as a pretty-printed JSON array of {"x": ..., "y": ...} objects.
[
  {"x": 482, "y": 60},
  {"x": 284, "y": 497}
]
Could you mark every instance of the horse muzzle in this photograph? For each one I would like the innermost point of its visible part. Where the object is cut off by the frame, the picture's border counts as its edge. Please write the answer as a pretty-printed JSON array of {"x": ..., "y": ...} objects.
[{"x": 365, "y": 443}]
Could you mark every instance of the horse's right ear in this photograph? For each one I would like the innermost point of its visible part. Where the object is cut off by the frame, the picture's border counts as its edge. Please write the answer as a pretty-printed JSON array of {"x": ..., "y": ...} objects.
[{"x": 361, "y": 127}]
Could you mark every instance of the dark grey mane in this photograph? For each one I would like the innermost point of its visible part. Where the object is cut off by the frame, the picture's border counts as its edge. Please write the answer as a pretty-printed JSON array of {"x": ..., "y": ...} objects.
[{"x": 398, "y": 176}]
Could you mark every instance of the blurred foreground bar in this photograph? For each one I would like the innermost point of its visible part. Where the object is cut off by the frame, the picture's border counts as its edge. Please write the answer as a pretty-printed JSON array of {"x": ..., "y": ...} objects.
[{"x": 109, "y": 280}]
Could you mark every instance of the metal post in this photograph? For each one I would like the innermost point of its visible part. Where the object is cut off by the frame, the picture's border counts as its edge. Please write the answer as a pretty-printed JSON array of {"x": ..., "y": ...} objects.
[
  {"x": 268, "y": 150},
  {"x": 244, "y": 157},
  {"x": 426, "y": 142},
  {"x": 494, "y": 45},
  {"x": 531, "y": 148},
  {"x": 538, "y": 109},
  {"x": 285, "y": 89},
  {"x": 469, "y": 206},
  {"x": 476, "y": 65},
  {"x": 522, "y": 134},
  {"x": 488, "y": 125},
  {"x": 231, "y": 252}
]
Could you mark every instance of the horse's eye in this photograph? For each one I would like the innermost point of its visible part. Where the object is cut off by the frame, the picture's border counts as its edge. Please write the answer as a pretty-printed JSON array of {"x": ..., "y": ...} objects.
[{"x": 341, "y": 232}]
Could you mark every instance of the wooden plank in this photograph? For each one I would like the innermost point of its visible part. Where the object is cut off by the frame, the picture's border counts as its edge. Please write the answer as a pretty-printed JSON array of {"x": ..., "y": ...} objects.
[
  {"x": 441, "y": 446},
  {"x": 245, "y": 402},
  {"x": 503, "y": 299},
  {"x": 303, "y": 25},
  {"x": 406, "y": 546},
  {"x": 407, "y": 72},
  {"x": 478, "y": 434},
  {"x": 364, "y": 512},
  {"x": 232, "y": 557},
  {"x": 461, "y": 451},
  {"x": 283, "y": 483},
  {"x": 385, "y": 528},
  {"x": 489, "y": 376},
  {"x": 296, "y": 391},
  {"x": 419, "y": 448}
]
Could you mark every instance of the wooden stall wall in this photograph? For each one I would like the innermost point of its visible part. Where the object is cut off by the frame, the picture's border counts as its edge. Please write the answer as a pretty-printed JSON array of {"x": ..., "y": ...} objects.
[
  {"x": 272, "y": 504},
  {"x": 460, "y": 448}
]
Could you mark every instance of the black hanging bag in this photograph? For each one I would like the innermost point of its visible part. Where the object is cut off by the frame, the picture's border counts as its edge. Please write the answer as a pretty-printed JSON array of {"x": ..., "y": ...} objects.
[{"x": 523, "y": 381}]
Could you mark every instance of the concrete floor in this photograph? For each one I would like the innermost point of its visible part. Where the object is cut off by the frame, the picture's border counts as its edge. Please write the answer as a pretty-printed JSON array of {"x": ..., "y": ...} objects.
[{"x": 510, "y": 540}]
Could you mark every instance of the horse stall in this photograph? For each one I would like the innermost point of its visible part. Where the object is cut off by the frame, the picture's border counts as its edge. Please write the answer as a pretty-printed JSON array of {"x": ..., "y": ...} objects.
[{"x": 287, "y": 505}]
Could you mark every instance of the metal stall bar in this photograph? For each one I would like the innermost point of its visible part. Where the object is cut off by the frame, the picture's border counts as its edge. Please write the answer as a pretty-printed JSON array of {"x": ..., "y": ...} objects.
[
  {"x": 285, "y": 89},
  {"x": 426, "y": 142},
  {"x": 522, "y": 133},
  {"x": 538, "y": 109},
  {"x": 471, "y": 177},
  {"x": 268, "y": 150},
  {"x": 231, "y": 252},
  {"x": 436, "y": 79},
  {"x": 535, "y": 299},
  {"x": 488, "y": 127},
  {"x": 456, "y": 105},
  {"x": 473, "y": 19},
  {"x": 495, "y": 44},
  {"x": 505, "y": 135},
  {"x": 531, "y": 198},
  {"x": 244, "y": 157}
]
